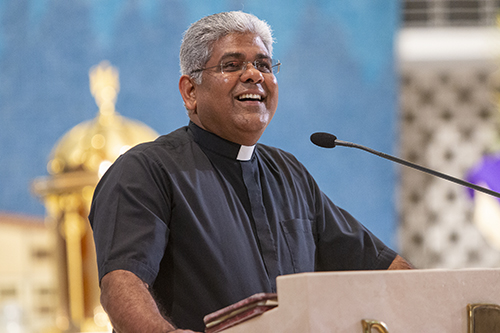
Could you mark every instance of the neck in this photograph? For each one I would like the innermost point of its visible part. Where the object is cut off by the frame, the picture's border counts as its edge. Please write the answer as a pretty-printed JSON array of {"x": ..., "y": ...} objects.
[{"x": 241, "y": 138}]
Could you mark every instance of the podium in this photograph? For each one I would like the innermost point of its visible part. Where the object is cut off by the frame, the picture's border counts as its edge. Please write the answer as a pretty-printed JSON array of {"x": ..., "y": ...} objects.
[{"x": 409, "y": 301}]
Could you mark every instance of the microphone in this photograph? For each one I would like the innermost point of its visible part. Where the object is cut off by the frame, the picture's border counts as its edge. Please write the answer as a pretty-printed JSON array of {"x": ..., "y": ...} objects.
[{"x": 327, "y": 140}]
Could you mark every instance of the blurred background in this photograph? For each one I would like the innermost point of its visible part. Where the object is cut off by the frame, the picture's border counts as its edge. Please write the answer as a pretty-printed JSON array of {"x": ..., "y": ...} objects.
[{"x": 83, "y": 80}]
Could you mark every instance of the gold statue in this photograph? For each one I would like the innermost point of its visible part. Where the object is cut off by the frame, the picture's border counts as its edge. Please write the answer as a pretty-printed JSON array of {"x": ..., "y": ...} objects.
[{"x": 77, "y": 162}]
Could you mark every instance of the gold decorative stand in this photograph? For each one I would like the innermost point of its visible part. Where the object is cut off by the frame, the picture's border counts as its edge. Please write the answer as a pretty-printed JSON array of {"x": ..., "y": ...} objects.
[{"x": 76, "y": 164}]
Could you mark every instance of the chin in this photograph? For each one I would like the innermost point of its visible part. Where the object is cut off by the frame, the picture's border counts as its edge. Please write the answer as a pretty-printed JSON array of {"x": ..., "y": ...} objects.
[{"x": 255, "y": 126}]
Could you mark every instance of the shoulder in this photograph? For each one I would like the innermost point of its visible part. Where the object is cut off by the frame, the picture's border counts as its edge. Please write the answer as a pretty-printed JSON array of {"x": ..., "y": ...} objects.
[
  {"x": 280, "y": 156},
  {"x": 173, "y": 141},
  {"x": 165, "y": 148},
  {"x": 285, "y": 163},
  {"x": 164, "y": 153}
]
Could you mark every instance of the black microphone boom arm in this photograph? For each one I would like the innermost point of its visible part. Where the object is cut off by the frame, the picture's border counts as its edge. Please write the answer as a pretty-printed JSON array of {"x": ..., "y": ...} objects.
[{"x": 329, "y": 141}]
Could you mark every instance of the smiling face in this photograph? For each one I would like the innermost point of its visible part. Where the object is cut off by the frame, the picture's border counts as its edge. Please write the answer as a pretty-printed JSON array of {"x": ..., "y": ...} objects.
[{"x": 236, "y": 106}]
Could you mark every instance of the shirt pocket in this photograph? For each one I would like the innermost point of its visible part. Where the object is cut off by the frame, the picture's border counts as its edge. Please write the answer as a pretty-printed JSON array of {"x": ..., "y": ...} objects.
[{"x": 299, "y": 238}]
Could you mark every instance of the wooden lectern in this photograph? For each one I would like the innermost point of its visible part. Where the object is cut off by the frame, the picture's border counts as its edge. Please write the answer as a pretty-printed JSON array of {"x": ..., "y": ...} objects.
[{"x": 415, "y": 301}]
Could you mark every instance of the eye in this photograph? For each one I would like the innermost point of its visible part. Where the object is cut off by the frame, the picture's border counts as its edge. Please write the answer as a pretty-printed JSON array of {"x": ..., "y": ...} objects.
[
  {"x": 263, "y": 66},
  {"x": 231, "y": 66}
]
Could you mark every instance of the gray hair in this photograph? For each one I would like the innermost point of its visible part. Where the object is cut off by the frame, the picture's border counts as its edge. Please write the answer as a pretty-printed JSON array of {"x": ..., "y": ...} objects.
[{"x": 197, "y": 44}]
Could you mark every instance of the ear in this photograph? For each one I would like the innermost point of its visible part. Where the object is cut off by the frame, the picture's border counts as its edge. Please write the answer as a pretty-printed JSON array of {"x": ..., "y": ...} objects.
[{"x": 187, "y": 89}]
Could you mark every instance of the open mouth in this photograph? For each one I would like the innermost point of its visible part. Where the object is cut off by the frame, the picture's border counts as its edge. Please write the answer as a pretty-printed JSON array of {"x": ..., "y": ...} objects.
[{"x": 250, "y": 97}]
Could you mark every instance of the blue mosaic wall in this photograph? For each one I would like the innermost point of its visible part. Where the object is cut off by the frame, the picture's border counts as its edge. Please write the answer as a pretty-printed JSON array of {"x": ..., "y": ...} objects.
[{"x": 338, "y": 75}]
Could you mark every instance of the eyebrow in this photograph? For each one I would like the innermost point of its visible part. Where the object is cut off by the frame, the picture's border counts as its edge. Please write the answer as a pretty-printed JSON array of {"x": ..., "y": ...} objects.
[{"x": 240, "y": 55}]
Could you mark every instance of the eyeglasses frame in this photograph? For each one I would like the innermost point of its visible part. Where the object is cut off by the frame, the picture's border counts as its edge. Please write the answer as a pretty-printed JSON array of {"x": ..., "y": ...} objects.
[{"x": 244, "y": 68}]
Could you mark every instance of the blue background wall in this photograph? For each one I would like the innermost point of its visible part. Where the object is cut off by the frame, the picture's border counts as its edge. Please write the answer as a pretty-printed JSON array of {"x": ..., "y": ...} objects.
[{"x": 338, "y": 75}]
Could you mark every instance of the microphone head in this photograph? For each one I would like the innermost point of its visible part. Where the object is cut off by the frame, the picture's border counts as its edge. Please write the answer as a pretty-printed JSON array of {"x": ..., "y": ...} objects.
[{"x": 325, "y": 140}]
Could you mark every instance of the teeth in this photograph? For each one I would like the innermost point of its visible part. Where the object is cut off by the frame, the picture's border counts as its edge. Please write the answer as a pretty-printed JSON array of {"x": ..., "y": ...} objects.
[{"x": 250, "y": 96}]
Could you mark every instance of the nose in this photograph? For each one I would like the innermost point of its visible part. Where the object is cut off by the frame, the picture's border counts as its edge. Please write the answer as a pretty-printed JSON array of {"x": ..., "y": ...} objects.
[{"x": 251, "y": 74}]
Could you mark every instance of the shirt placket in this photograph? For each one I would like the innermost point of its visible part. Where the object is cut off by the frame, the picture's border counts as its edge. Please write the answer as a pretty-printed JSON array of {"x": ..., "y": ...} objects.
[{"x": 262, "y": 227}]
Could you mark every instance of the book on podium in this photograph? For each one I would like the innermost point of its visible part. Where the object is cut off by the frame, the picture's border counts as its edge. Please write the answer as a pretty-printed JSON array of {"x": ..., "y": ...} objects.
[{"x": 239, "y": 312}]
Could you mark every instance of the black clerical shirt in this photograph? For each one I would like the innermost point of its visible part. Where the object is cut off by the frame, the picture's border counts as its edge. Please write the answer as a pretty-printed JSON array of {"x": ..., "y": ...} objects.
[{"x": 207, "y": 222}]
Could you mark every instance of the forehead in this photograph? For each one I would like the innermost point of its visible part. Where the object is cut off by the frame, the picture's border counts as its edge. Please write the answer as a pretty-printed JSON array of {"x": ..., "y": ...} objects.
[{"x": 247, "y": 44}]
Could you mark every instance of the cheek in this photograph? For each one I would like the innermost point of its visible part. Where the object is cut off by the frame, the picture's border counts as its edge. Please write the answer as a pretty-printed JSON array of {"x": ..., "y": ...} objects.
[
  {"x": 272, "y": 85},
  {"x": 274, "y": 89}
]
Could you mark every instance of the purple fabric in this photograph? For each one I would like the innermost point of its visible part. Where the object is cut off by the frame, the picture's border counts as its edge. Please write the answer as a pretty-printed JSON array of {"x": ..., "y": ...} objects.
[{"x": 487, "y": 171}]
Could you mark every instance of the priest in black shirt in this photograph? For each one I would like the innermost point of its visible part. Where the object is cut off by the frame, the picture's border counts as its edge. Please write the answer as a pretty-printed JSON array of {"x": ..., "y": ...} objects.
[{"x": 205, "y": 216}]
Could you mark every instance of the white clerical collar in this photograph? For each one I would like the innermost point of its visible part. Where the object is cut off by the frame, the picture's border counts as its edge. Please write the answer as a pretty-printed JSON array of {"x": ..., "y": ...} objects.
[{"x": 245, "y": 153}]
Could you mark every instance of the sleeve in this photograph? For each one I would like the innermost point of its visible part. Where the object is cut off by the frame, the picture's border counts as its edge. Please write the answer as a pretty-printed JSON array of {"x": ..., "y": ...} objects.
[
  {"x": 343, "y": 243},
  {"x": 129, "y": 215}
]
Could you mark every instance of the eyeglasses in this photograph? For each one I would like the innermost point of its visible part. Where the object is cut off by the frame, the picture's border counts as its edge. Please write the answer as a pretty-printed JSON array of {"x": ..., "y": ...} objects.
[{"x": 265, "y": 66}]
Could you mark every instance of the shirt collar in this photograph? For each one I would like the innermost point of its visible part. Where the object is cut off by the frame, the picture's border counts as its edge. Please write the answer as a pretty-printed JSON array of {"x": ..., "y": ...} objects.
[{"x": 219, "y": 145}]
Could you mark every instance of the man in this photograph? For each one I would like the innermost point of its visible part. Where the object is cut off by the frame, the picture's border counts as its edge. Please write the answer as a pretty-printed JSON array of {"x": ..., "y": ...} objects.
[{"x": 204, "y": 216}]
